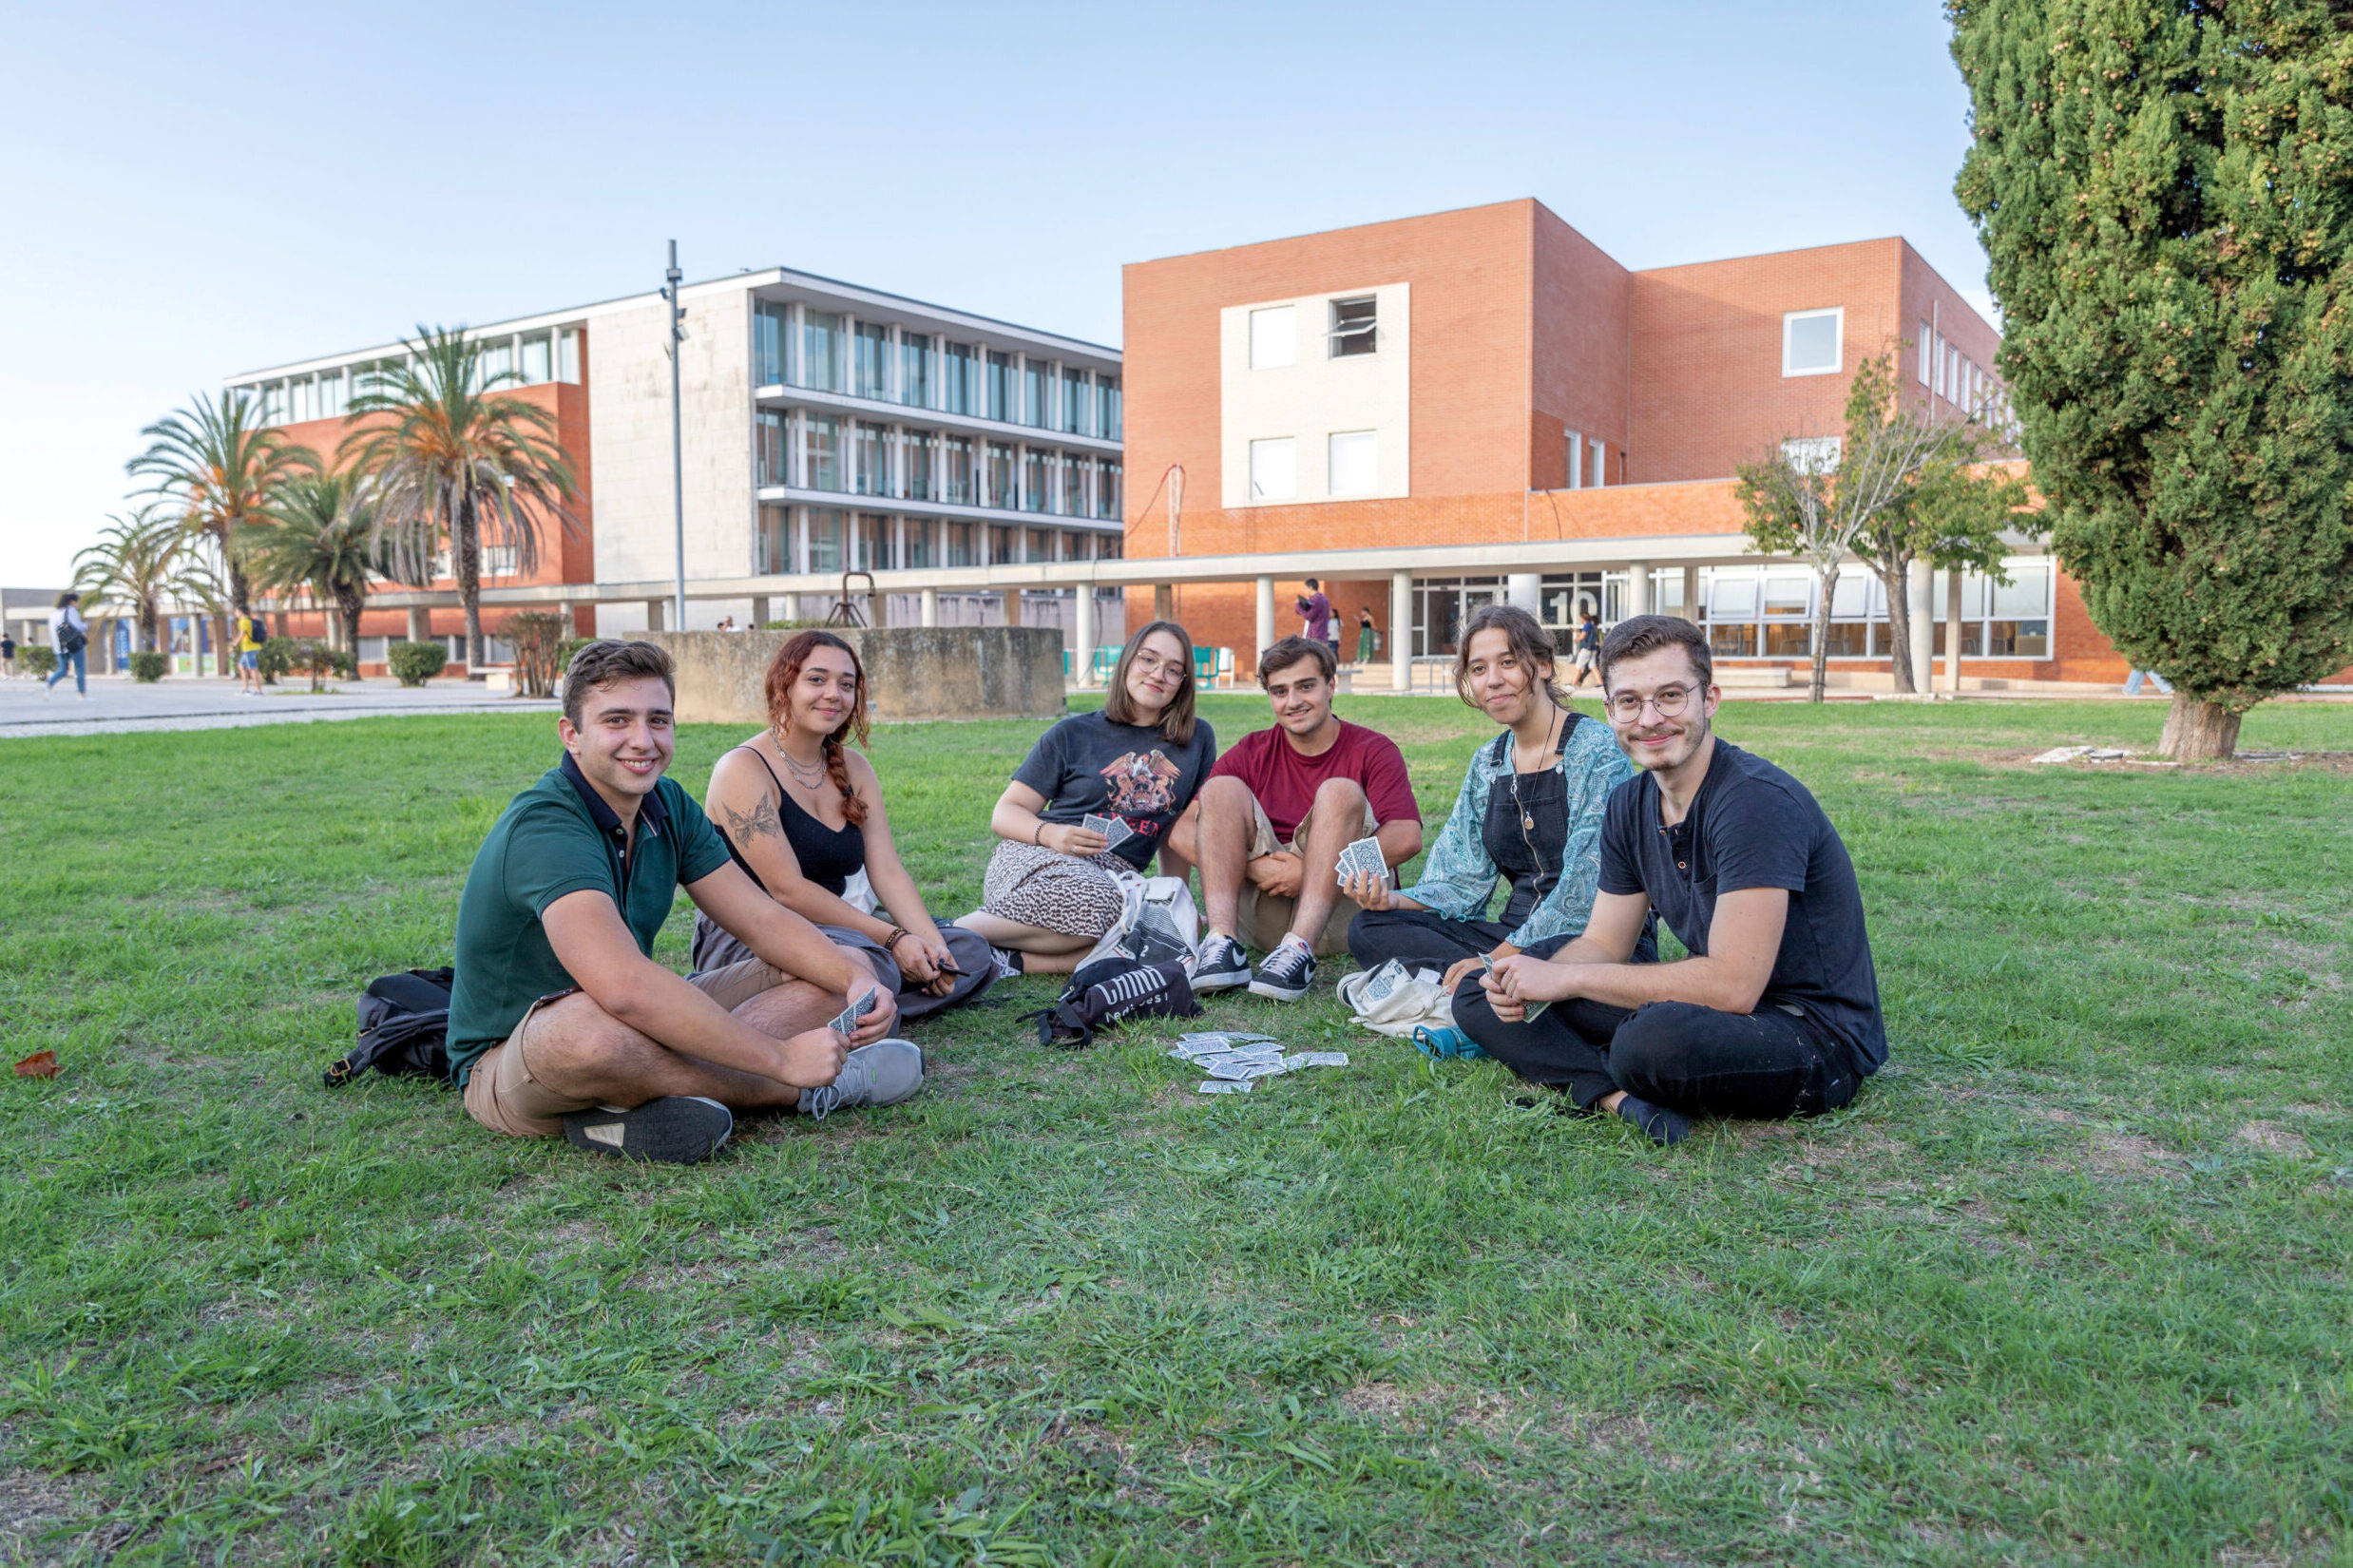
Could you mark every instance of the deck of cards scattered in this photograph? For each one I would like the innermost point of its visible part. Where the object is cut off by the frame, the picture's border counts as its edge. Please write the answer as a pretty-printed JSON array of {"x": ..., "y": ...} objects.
[
  {"x": 1234, "y": 1062},
  {"x": 846, "y": 1021},
  {"x": 1115, "y": 831},
  {"x": 1364, "y": 856}
]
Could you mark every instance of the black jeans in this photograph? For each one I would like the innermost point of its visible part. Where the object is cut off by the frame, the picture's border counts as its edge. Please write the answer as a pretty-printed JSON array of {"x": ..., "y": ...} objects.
[
  {"x": 716, "y": 947},
  {"x": 1423, "y": 938},
  {"x": 1762, "y": 1065}
]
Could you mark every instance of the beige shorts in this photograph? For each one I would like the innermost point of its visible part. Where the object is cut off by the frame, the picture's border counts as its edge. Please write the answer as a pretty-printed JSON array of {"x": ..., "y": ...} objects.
[
  {"x": 1265, "y": 919},
  {"x": 502, "y": 1094}
]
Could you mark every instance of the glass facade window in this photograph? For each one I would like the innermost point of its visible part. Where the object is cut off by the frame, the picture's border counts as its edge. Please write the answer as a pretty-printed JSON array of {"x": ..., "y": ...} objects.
[
  {"x": 1108, "y": 499},
  {"x": 960, "y": 379},
  {"x": 2020, "y": 626},
  {"x": 1110, "y": 547},
  {"x": 956, "y": 543},
  {"x": 872, "y": 465},
  {"x": 1037, "y": 544},
  {"x": 1033, "y": 480},
  {"x": 538, "y": 362},
  {"x": 1000, "y": 545},
  {"x": 1074, "y": 486},
  {"x": 1037, "y": 392},
  {"x": 1002, "y": 392},
  {"x": 825, "y": 539},
  {"x": 772, "y": 328},
  {"x": 1000, "y": 476},
  {"x": 771, "y": 448},
  {"x": 915, "y": 465},
  {"x": 820, "y": 362},
  {"x": 1076, "y": 405},
  {"x": 915, "y": 551},
  {"x": 568, "y": 355},
  {"x": 956, "y": 470},
  {"x": 873, "y": 360},
  {"x": 914, "y": 369},
  {"x": 1074, "y": 546},
  {"x": 497, "y": 363},
  {"x": 773, "y": 551},
  {"x": 1107, "y": 407},
  {"x": 821, "y": 452},
  {"x": 872, "y": 542}
]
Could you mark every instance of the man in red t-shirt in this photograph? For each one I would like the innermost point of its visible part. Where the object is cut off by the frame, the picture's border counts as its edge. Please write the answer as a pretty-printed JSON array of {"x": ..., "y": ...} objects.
[{"x": 1272, "y": 819}]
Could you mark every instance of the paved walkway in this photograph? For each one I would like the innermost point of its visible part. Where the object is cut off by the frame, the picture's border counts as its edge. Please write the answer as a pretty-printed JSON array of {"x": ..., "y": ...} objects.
[{"x": 118, "y": 705}]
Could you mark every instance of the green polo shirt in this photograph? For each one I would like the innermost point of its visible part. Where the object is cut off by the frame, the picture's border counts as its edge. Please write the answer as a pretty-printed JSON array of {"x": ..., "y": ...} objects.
[{"x": 558, "y": 837}]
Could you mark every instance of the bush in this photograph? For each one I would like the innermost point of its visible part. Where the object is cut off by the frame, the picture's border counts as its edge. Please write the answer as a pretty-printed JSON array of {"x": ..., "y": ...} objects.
[
  {"x": 316, "y": 657},
  {"x": 275, "y": 659},
  {"x": 148, "y": 668},
  {"x": 414, "y": 663},
  {"x": 38, "y": 661},
  {"x": 537, "y": 636},
  {"x": 791, "y": 625}
]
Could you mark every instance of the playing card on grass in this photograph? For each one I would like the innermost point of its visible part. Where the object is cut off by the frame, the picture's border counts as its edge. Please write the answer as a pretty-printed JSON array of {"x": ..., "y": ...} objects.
[{"x": 1218, "y": 1086}]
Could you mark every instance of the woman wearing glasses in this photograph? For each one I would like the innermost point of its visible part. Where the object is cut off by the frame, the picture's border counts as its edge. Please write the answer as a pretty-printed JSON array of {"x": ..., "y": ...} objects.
[
  {"x": 1054, "y": 885},
  {"x": 1529, "y": 813}
]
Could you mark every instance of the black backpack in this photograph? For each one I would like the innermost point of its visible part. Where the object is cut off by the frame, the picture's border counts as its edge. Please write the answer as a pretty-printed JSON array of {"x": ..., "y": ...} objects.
[
  {"x": 404, "y": 1025},
  {"x": 71, "y": 639},
  {"x": 1112, "y": 990},
  {"x": 260, "y": 634}
]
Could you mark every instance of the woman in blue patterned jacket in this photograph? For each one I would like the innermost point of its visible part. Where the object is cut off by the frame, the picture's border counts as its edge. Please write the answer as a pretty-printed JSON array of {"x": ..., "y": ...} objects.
[{"x": 1529, "y": 814}]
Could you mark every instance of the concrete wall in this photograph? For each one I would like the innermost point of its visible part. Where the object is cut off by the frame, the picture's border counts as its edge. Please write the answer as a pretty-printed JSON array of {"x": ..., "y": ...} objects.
[{"x": 912, "y": 672}]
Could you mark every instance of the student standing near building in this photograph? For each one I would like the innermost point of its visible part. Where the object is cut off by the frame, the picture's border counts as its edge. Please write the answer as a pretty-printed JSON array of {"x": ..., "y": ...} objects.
[
  {"x": 1588, "y": 648},
  {"x": 1317, "y": 610},
  {"x": 803, "y": 816},
  {"x": 1529, "y": 813},
  {"x": 1776, "y": 1012},
  {"x": 70, "y": 636},
  {"x": 560, "y": 1021},
  {"x": 1368, "y": 636},
  {"x": 7, "y": 656},
  {"x": 1054, "y": 887},
  {"x": 1277, "y": 810}
]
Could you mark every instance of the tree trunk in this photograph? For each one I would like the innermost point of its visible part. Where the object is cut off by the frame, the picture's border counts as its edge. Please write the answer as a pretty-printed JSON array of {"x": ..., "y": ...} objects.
[
  {"x": 2199, "y": 731},
  {"x": 467, "y": 549},
  {"x": 1820, "y": 680},
  {"x": 1895, "y": 575},
  {"x": 352, "y": 600}
]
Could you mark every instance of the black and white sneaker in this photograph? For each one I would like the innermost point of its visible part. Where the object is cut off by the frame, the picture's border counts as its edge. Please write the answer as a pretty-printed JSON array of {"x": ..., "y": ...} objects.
[
  {"x": 1009, "y": 963},
  {"x": 674, "y": 1130},
  {"x": 1220, "y": 965},
  {"x": 1285, "y": 974}
]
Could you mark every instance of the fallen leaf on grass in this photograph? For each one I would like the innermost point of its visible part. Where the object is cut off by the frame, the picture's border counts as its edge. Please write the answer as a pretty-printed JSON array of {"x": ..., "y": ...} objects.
[{"x": 39, "y": 1064}]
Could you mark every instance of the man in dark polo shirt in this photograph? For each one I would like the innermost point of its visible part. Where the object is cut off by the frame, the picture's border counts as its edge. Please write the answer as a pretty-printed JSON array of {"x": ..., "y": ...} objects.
[
  {"x": 1777, "y": 1011},
  {"x": 560, "y": 1021}
]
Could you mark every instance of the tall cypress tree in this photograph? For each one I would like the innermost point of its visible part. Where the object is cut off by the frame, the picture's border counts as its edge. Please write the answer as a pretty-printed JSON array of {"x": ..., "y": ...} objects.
[{"x": 2165, "y": 191}]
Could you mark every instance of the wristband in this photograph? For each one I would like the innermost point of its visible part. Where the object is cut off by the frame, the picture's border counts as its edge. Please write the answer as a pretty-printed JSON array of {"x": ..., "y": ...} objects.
[
  {"x": 1038, "y": 838},
  {"x": 890, "y": 943}
]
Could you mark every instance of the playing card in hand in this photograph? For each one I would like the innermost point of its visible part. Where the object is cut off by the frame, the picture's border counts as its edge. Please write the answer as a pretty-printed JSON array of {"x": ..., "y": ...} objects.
[
  {"x": 1115, "y": 831},
  {"x": 1363, "y": 857},
  {"x": 846, "y": 1021}
]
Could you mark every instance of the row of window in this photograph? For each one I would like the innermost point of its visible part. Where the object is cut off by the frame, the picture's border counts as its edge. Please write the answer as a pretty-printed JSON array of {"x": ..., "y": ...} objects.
[
  {"x": 1351, "y": 327},
  {"x": 832, "y": 539},
  {"x": 1351, "y": 466},
  {"x": 1588, "y": 462},
  {"x": 797, "y": 345},
  {"x": 523, "y": 359},
  {"x": 811, "y": 451},
  {"x": 1766, "y": 612},
  {"x": 1957, "y": 378}
]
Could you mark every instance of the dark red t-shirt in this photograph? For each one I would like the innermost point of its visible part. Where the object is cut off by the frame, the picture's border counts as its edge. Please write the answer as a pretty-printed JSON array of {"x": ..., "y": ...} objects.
[{"x": 1285, "y": 780}]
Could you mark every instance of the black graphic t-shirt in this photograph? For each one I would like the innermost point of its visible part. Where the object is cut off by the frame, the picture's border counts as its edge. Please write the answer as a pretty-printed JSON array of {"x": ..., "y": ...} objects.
[{"x": 1086, "y": 765}]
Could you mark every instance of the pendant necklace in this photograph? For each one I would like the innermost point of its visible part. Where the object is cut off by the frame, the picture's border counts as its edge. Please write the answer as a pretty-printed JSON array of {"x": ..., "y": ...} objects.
[
  {"x": 802, "y": 774},
  {"x": 1527, "y": 818}
]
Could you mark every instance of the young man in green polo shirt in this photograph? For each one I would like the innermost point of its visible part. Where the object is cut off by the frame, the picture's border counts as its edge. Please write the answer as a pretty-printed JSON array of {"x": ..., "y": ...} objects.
[{"x": 560, "y": 1021}]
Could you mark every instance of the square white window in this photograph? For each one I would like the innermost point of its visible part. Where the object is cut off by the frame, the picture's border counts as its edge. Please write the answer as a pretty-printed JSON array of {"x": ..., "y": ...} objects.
[
  {"x": 1274, "y": 469},
  {"x": 1812, "y": 453},
  {"x": 1355, "y": 327},
  {"x": 1355, "y": 463},
  {"x": 1273, "y": 337},
  {"x": 1812, "y": 342},
  {"x": 1927, "y": 348}
]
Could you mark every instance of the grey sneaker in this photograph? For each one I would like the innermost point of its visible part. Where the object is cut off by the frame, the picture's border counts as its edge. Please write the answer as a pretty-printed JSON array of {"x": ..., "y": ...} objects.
[
  {"x": 1221, "y": 965},
  {"x": 674, "y": 1130},
  {"x": 1284, "y": 974},
  {"x": 885, "y": 1073}
]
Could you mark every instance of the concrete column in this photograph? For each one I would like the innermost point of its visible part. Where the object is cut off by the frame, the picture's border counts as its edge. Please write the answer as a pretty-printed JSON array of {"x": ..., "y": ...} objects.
[
  {"x": 931, "y": 612},
  {"x": 1920, "y": 615},
  {"x": 760, "y": 612},
  {"x": 1400, "y": 631},
  {"x": 1082, "y": 621},
  {"x": 654, "y": 608},
  {"x": 1525, "y": 589},
  {"x": 1953, "y": 619},
  {"x": 420, "y": 625},
  {"x": 1638, "y": 588},
  {"x": 1690, "y": 595},
  {"x": 1266, "y": 619},
  {"x": 1011, "y": 597},
  {"x": 1163, "y": 602}
]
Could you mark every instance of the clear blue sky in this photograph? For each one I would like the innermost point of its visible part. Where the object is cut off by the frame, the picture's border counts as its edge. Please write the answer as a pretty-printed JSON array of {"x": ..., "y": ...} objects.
[{"x": 193, "y": 191}]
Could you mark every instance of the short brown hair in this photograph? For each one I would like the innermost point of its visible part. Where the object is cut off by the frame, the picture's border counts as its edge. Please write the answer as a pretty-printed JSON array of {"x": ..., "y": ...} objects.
[
  {"x": 1527, "y": 642},
  {"x": 1293, "y": 649},
  {"x": 606, "y": 662},
  {"x": 1175, "y": 722},
  {"x": 1647, "y": 634}
]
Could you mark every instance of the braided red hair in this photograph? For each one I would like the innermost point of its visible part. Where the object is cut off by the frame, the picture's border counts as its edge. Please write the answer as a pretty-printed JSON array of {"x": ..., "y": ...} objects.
[{"x": 783, "y": 671}]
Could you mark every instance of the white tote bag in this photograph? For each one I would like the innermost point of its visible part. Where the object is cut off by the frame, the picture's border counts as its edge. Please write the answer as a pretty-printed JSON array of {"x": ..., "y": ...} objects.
[
  {"x": 1158, "y": 922},
  {"x": 1391, "y": 1000}
]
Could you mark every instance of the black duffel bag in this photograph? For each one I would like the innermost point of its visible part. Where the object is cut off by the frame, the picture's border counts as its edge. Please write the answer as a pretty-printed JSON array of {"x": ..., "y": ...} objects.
[{"x": 404, "y": 1026}]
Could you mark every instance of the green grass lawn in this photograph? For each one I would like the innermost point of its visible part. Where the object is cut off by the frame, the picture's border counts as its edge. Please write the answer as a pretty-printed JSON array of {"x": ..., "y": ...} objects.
[{"x": 2067, "y": 1282}]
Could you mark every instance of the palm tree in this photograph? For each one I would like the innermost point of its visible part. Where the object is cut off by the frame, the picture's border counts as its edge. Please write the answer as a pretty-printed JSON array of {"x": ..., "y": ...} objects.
[
  {"x": 220, "y": 462},
  {"x": 455, "y": 460},
  {"x": 322, "y": 535},
  {"x": 139, "y": 563}
]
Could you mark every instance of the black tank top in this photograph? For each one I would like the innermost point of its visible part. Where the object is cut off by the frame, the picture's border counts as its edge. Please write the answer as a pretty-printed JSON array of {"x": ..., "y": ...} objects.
[{"x": 828, "y": 856}]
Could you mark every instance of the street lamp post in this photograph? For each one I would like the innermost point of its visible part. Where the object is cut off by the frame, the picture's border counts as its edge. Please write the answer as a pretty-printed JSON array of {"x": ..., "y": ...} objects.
[{"x": 677, "y": 440}]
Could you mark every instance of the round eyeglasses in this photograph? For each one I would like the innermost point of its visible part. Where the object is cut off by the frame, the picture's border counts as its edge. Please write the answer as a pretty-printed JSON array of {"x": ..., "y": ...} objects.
[{"x": 1669, "y": 701}]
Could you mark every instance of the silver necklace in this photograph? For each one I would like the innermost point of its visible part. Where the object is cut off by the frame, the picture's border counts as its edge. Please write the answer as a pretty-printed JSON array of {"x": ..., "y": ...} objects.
[
  {"x": 802, "y": 774},
  {"x": 1527, "y": 818}
]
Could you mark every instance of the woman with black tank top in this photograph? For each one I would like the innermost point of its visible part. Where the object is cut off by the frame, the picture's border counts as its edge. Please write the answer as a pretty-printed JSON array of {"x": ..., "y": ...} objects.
[
  {"x": 804, "y": 816},
  {"x": 1529, "y": 814}
]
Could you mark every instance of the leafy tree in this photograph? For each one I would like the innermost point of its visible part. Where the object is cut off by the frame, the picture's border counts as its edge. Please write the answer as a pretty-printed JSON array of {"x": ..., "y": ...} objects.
[
  {"x": 1815, "y": 496},
  {"x": 219, "y": 462},
  {"x": 456, "y": 461},
  {"x": 538, "y": 636},
  {"x": 1953, "y": 515},
  {"x": 139, "y": 563},
  {"x": 320, "y": 537},
  {"x": 2165, "y": 191}
]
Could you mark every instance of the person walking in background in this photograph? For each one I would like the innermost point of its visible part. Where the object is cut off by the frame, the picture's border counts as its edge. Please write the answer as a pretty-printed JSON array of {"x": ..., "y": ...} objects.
[
  {"x": 1368, "y": 636},
  {"x": 7, "y": 656},
  {"x": 2131, "y": 682},
  {"x": 803, "y": 816},
  {"x": 1316, "y": 608},
  {"x": 70, "y": 636},
  {"x": 1588, "y": 653},
  {"x": 250, "y": 636}
]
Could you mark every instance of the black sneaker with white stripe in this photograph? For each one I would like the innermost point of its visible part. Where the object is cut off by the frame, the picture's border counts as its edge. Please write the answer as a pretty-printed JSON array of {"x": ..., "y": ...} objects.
[
  {"x": 1221, "y": 965},
  {"x": 674, "y": 1130},
  {"x": 1285, "y": 974}
]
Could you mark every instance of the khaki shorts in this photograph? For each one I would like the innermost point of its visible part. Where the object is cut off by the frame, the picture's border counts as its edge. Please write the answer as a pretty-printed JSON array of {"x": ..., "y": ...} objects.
[
  {"x": 502, "y": 1094},
  {"x": 1265, "y": 919}
]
